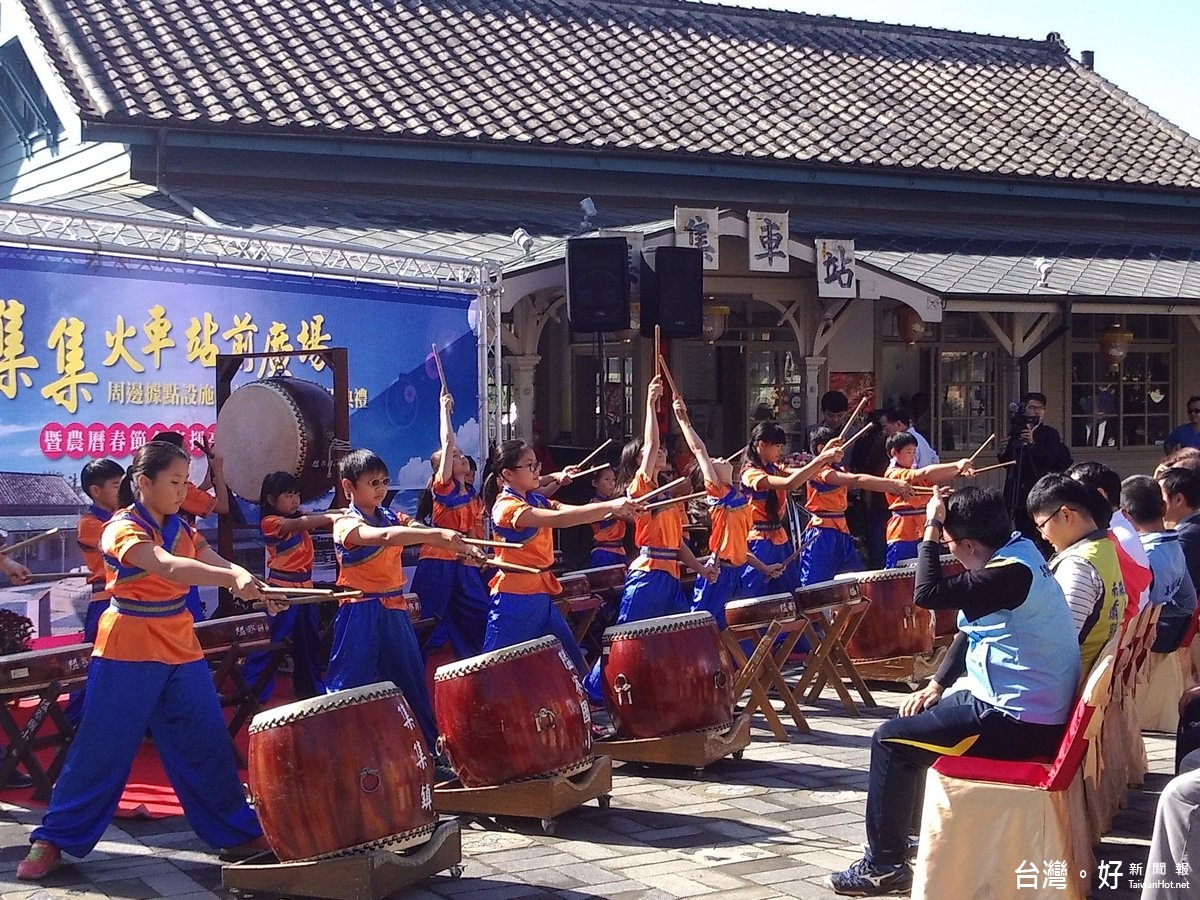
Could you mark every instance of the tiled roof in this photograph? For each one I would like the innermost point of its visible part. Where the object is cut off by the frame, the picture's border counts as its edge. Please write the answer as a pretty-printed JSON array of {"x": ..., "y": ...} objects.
[
  {"x": 944, "y": 257},
  {"x": 654, "y": 77},
  {"x": 28, "y": 489},
  {"x": 18, "y": 525}
]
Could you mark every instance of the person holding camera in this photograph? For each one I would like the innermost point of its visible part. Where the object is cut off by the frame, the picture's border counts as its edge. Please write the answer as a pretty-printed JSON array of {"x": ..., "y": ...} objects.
[{"x": 1037, "y": 450}]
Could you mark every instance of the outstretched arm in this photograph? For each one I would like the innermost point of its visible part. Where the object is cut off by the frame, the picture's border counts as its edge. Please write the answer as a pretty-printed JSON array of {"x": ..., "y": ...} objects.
[
  {"x": 445, "y": 469},
  {"x": 693, "y": 441},
  {"x": 650, "y": 439}
]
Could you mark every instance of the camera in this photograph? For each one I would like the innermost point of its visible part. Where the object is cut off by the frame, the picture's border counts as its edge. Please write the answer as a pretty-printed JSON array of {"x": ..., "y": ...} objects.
[{"x": 1019, "y": 420}]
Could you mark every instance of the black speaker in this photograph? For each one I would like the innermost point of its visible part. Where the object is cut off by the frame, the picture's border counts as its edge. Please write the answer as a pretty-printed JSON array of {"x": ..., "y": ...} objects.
[
  {"x": 673, "y": 292},
  {"x": 598, "y": 284}
]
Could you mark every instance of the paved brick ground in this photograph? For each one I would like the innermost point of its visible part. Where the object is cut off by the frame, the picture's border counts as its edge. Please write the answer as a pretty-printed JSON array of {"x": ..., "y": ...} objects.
[{"x": 768, "y": 826}]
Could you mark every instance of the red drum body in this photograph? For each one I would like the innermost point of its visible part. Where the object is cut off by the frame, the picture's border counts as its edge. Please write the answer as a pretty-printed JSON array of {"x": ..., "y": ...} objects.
[
  {"x": 946, "y": 620},
  {"x": 825, "y": 594},
  {"x": 575, "y": 585},
  {"x": 513, "y": 714},
  {"x": 760, "y": 610},
  {"x": 894, "y": 625},
  {"x": 667, "y": 675},
  {"x": 278, "y": 425},
  {"x": 218, "y": 635},
  {"x": 339, "y": 774},
  {"x": 30, "y": 672},
  {"x": 604, "y": 579}
]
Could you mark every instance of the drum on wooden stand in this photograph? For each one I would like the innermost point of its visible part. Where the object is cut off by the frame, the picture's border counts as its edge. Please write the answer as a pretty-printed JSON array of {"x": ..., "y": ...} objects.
[
  {"x": 278, "y": 425},
  {"x": 760, "y": 610},
  {"x": 34, "y": 670},
  {"x": 667, "y": 676},
  {"x": 343, "y": 773},
  {"x": 219, "y": 635},
  {"x": 894, "y": 625},
  {"x": 513, "y": 714},
  {"x": 604, "y": 580}
]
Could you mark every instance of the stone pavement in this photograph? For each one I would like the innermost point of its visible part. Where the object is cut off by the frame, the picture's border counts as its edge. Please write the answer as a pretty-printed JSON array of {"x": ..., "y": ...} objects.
[{"x": 770, "y": 825}]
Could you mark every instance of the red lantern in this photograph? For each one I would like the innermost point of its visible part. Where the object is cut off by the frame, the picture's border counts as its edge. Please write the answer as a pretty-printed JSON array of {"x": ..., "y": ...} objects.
[{"x": 909, "y": 325}]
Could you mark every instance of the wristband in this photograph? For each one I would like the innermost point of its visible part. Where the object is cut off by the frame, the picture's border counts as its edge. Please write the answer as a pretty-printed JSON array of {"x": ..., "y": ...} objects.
[{"x": 934, "y": 523}]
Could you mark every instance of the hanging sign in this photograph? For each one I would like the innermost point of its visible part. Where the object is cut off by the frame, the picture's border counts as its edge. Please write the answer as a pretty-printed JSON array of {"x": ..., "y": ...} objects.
[
  {"x": 697, "y": 228},
  {"x": 766, "y": 241},
  {"x": 835, "y": 268}
]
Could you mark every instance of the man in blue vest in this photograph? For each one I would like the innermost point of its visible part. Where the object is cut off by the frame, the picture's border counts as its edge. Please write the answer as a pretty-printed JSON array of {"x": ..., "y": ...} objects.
[{"x": 1010, "y": 608}]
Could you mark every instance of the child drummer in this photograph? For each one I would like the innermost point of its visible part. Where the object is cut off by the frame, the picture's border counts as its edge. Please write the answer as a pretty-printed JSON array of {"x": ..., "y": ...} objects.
[
  {"x": 148, "y": 671},
  {"x": 373, "y": 637},
  {"x": 908, "y": 514}
]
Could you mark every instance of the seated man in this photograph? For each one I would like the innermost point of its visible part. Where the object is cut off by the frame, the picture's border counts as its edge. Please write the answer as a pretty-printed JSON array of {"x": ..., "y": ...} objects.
[
  {"x": 1011, "y": 610},
  {"x": 1172, "y": 588},
  {"x": 1175, "y": 841},
  {"x": 1073, "y": 519}
]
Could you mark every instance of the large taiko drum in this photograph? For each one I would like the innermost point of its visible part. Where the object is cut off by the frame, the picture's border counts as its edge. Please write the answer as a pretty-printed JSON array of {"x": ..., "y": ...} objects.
[
  {"x": 33, "y": 670},
  {"x": 513, "y": 714},
  {"x": 667, "y": 675},
  {"x": 343, "y": 773},
  {"x": 604, "y": 580},
  {"x": 825, "y": 594},
  {"x": 894, "y": 625},
  {"x": 277, "y": 425}
]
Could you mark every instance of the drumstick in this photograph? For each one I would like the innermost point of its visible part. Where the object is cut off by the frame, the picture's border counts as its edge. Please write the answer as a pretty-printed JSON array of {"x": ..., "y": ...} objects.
[
  {"x": 587, "y": 459},
  {"x": 666, "y": 487},
  {"x": 508, "y": 566},
  {"x": 480, "y": 542},
  {"x": 298, "y": 591},
  {"x": 734, "y": 454},
  {"x": 853, "y": 416},
  {"x": 28, "y": 541},
  {"x": 38, "y": 577},
  {"x": 657, "y": 353},
  {"x": 991, "y": 437},
  {"x": 204, "y": 448},
  {"x": 303, "y": 599},
  {"x": 1011, "y": 462},
  {"x": 670, "y": 381},
  {"x": 663, "y": 504},
  {"x": 437, "y": 361},
  {"x": 859, "y": 434},
  {"x": 592, "y": 471}
]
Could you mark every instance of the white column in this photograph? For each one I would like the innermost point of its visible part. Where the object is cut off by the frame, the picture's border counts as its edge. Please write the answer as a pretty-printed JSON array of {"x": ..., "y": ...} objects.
[
  {"x": 523, "y": 369},
  {"x": 812, "y": 384}
]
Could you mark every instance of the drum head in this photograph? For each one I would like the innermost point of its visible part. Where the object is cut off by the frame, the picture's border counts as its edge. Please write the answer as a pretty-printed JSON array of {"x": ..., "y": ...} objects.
[
  {"x": 661, "y": 624},
  {"x": 266, "y": 426},
  {"x": 301, "y": 709},
  {"x": 492, "y": 658}
]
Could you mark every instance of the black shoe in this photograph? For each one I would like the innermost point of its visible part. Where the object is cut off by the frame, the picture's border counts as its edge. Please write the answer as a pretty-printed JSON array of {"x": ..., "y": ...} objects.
[
  {"x": 911, "y": 848},
  {"x": 18, "y": 780},
  {"x": 865, "y": 880}
]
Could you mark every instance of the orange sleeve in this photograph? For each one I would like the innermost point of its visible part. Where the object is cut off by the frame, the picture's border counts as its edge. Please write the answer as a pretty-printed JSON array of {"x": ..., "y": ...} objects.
[
  {"x": 343, "y": 526},
  {"x": 443, "y": 489},
  {"x": 823, "y": 475},
  {"x": 506, "y": 511},
  {"x": 122, "y": 537},
  {"x": 88, "y": 532},
  {"x": 272, "y": 526},
  {"x": 197, "y": 502},
  {"x": 716, "y": 491},
  {"x": 755, "y": 478}
]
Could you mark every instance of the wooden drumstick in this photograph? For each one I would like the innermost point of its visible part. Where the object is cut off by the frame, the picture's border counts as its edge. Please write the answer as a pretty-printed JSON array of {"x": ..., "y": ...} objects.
[
  {"x": 20, "y": 545},
  {"x": 853, "y": 416},
  {"x": 670, "y": 381},
  {"x": 971, "y": 458},
  {"x": 437, "y": 361},
  {"x": 670, "y": 485},
  {"x": 39, "y": 577},
  {"x": 732, "y": 456},
  {"x": 304, "y": 599},
  {"x": 592, "y": 471},
  {"x": 663, "y": 504},
  {"x": 858, "y": 434},
  {"x": 204, "y": 447},
  {"x": 795, "y": 555},
  {"x": 510, "y": 567},
  {"x": 1011, "y": 462},
  {"x": 587, "y": 459},
  {"x": 274, "y": 590},
  {"x": 480, "y": 542}
]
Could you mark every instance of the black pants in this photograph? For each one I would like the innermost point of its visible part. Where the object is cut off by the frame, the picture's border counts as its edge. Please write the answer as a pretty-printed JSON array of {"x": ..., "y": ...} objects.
[{"x": 904, "y": 748}]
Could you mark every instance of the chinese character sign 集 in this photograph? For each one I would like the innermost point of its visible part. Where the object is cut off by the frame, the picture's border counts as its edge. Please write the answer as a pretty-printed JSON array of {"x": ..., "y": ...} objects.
[{"x": 698, "y": 229}]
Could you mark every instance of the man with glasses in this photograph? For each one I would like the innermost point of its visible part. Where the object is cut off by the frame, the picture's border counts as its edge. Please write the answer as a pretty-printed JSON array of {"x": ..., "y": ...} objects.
[
  {"x": 1187, "y": 434},
  {"x": 1074, "y": 520},
  {"x": 1019, "y": 683},
  {"x": 1037, "y": 450}
]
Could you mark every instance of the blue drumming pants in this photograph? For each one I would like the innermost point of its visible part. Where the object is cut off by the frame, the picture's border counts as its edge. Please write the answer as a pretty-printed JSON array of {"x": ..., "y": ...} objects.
[
  {"x": 517, "y": 618},
  {"x": 755, "y": 584},
  {"x": 456, "y": 594},
  {"x": 711, "y": 597},
  {"x": 826, "y": 552},
  {"x": 373, "y": 643},
  {"x": 299, "y": 623},
  {"x": 601, "y": 557},
  {"x": 900, "y": 550},
  {"x": 179, "y": 705},
  {"x": 91, "y": 624}
]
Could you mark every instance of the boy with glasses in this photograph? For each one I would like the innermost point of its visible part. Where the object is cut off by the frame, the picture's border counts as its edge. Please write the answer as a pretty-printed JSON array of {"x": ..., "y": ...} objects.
[
  {"x": 1187, "y": 434},
  {"x": 1074, "y": 519}
]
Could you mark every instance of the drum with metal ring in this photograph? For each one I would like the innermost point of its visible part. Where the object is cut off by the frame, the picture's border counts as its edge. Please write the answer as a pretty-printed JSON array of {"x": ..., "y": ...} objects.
[
  {"x": 894, "y": 625},
  {"x": 761, "y": 610},
  {"x": 667, "y": 676},
  {"x": 513, "y": 714},
  {"x": 604, "y": 579},
  {"x": 344, "y": 773},
  {"x": 825, "y": 594},
  {"x": 277, "y": 425}
]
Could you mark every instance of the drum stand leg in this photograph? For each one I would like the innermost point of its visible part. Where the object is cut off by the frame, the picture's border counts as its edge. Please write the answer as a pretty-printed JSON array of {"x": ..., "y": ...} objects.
[
  {"x": 360, "y": 876},
  {"x": 829, "y": 662},
  {"x": 753, "y": 675},
  {"x": 23, "y": 743},
  {"x": 538, "y": 798},
  {"x": 244, "y": 696}
]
